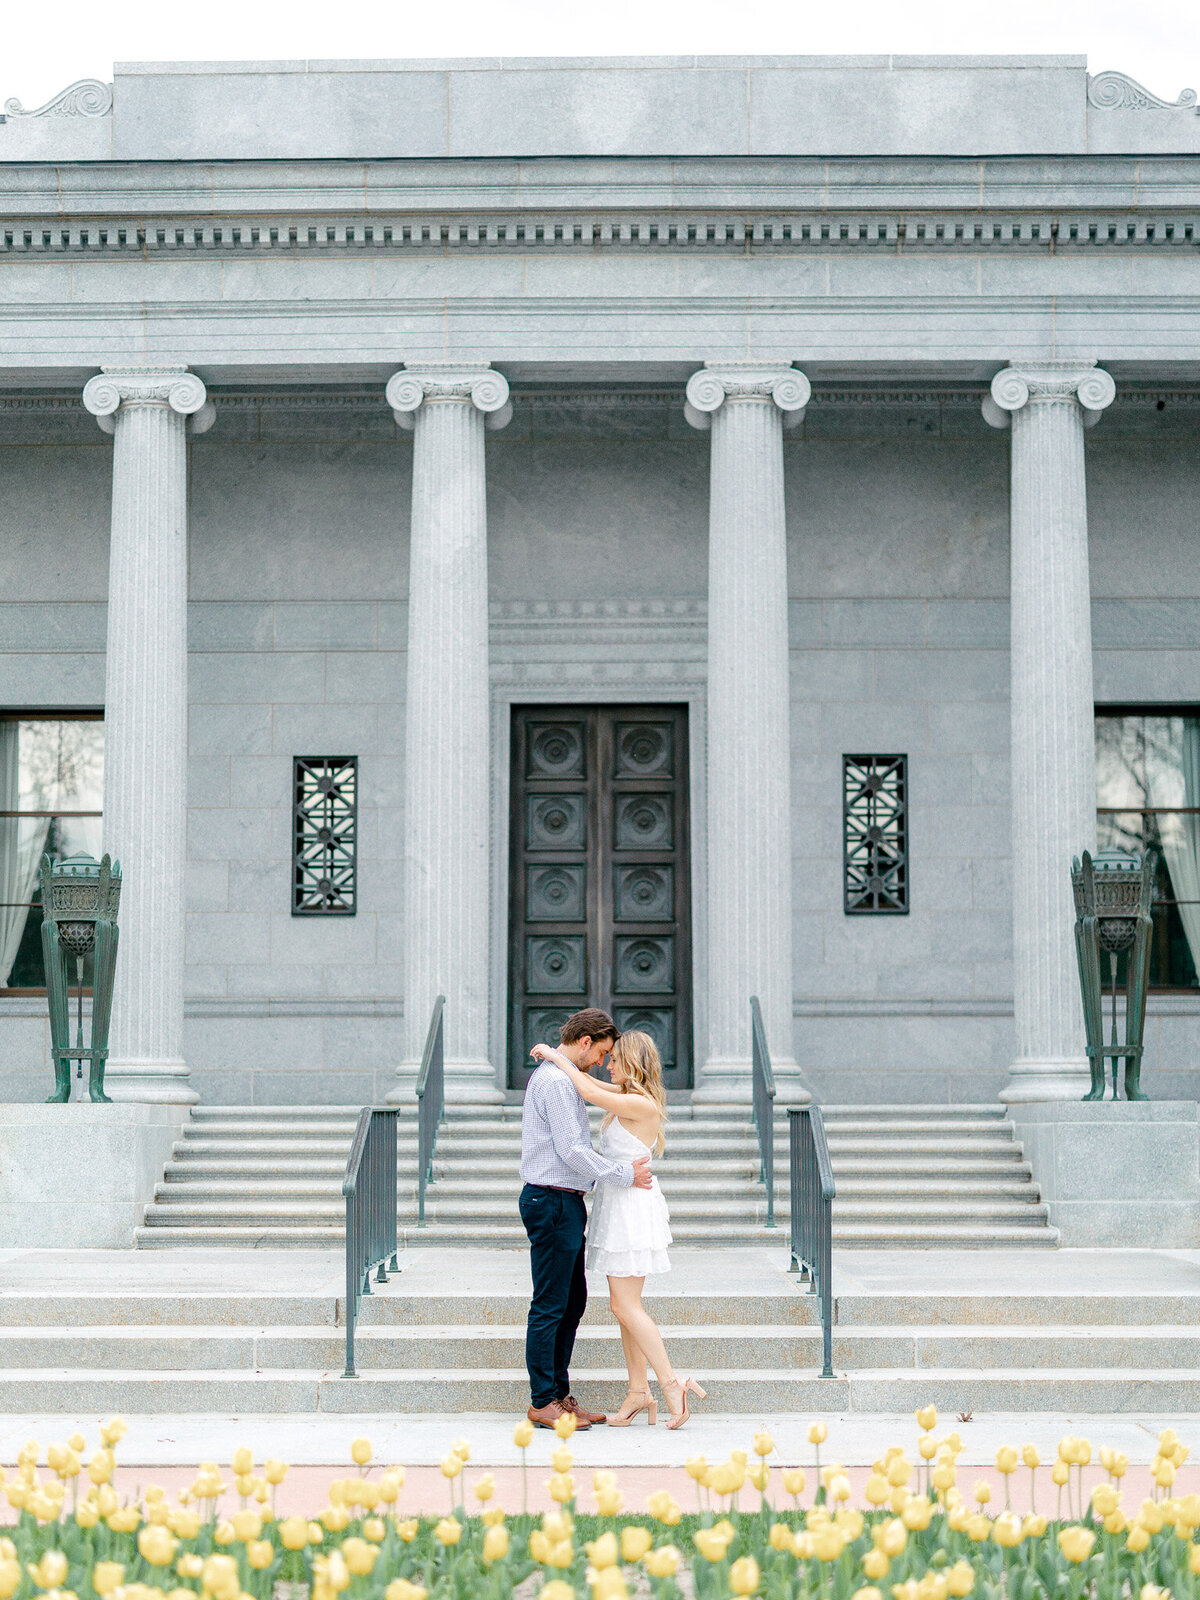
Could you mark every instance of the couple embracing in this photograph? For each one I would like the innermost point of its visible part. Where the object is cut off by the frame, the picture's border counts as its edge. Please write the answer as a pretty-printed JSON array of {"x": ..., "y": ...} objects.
[{"x": 629, "y": 1231}]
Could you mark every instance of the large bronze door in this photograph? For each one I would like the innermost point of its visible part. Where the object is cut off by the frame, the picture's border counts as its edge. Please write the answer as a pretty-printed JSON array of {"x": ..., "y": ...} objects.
[{"x": 599, "y": 877}]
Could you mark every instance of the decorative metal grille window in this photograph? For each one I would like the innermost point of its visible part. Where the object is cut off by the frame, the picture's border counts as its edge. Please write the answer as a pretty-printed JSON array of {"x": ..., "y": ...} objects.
[
  {"x": 875, "y": 837},
  {"x": 325, "y": 836}
]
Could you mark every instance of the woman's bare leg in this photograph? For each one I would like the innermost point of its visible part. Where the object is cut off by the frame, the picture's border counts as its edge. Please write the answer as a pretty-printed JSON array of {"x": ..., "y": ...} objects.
[
  {"x": 625, "y": 1297},
  {"x": 635, "y": 1362}
]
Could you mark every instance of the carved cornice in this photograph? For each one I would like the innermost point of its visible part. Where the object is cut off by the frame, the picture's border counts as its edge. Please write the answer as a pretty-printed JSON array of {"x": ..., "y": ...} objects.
[
  {"x": 1117, "y": 91},
  {"x": 86, "y": 97},
  {"x": 135, "y": 236}
]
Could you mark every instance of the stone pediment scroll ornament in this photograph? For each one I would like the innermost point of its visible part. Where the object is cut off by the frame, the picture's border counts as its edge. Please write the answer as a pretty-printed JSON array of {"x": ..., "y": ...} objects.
[
  {"x": 87, "y": 97},
  {"x": 1117, "y": 91},
  {"x": 409, "y": 389}
]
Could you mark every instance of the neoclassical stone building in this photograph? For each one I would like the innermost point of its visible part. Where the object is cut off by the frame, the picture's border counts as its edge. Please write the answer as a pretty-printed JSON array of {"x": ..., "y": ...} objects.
[{"x": 626, "y": 531}]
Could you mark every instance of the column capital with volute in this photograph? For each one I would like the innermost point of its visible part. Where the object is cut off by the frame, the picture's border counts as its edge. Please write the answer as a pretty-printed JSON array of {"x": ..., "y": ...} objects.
[
  {"x": 719, "y": 381},
  {"x": 1024, "y": 383},
  {"x": 174, "y": 387},
  {"x": 469, "y": 382}
]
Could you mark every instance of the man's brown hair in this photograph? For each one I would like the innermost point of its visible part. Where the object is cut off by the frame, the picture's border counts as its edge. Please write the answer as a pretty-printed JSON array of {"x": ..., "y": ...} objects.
[{"x": 596, "y": 1024}]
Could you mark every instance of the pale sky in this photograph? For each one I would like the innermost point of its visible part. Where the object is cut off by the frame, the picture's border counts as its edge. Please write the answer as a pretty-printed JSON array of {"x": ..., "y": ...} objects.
[{"x": 44, "y": 46}]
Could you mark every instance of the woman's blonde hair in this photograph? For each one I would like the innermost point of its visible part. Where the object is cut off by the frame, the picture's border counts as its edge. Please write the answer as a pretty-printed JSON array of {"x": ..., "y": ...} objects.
[{"x": 641, "y": 1071}]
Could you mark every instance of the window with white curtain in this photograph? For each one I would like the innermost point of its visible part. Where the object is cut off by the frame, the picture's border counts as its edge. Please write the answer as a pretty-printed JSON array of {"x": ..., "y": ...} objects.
[
  {"x": 51, "y": 789},
  {"x": 1148, "y": 794}
]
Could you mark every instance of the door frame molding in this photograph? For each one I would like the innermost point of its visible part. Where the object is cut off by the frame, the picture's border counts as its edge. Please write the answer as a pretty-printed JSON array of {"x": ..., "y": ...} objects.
[{"x": 640, "y": 683}]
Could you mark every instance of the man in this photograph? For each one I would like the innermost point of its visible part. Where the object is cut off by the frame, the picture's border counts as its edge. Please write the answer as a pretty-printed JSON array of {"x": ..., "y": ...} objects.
[{"x": 558, "y": 1167}]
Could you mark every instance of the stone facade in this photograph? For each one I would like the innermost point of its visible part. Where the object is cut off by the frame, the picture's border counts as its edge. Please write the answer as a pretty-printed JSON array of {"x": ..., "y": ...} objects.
[{"x": 892, "y": 280}]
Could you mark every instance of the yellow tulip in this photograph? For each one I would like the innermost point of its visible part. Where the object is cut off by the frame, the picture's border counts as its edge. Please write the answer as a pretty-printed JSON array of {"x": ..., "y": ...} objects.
[
  {"x": 875, "y": 1564},
  {"x": 125, "y": 1519},
  {"x": 293, "y": 1533},
  {"x": 917, "y": 1513},
  {"x": 817, "y": 1433},
  {"x": 220, "y": 1577},
  {"x": 247, "y": 1525},
  {"x": 1060, "y": 1472},
  {"x": 664, "y": 1562},
  {"x": 561, "y": 1487},
  {"x": 390, "y": 1485},
  {"x": 1076, "y": 1543},
  {"x": 485, "y": 1488},
  {"x": 1007, "y": 1460},
  {"x": 189, "y": 1565},
  {"x": 375, "y": 1529},
  {"x": 562, "y": 1555},
  {"x": 866, "y": 1594},
  {"x": 51, "y": 1571},
  {"x": 260, "y": 1553},
  {"x": 711, "y": 1544},
  {"x": 493, "y": 1517},
  {"x": 759, "y": 1474},
  {"x": 828, "y": 1543},
  {"x": 763, "y": 1443},
  {"x": 635, "y": 1542},
  {"x": 602, "y": 1552},
  {"x": 407, "y": 1529},
  {"x": 316, "y": 1533},
  {"x": 401, "y": 1589},
  {"x": 562, "y": 1460},
  {"x": 1194, "y": 1559},
  {"x": 451, "y": 1465},
  {"x": 1151, "y": 1514},
  {"x": 522, "y": 1435},
  {"x": 1105, "y": 1499},
  {"x": 360, "y": 1451},
  {"x": 113, "y": 1431},
  {"x": 839, "y": 1487},
  {"x": 107, "y": 1576},
  {"x": 927, "y": 1418},
  {"x": 1163, "y": 1473},
  {"x": 359, "y": 1556},
  {"x": 744, "y": 1575},
  {"x": 780, "y": 1536},
  {"x": 943, "y": 1478},
  {"x": 1116, "y": 1521},
  {"x": 793, "y": 1481},
  {"x": 86, "y": 1514},
  {"x": 1033, "y": 1526},
  {"x": 1006, "y": 1530},
  {"x": 495, "y": 1544},
  {"x": 660, "y": 1505},
  {"x": 157, "y": 1545},
  {"x": 696, "y": 1467},
  {"x": 609, "y": 1502},
  {"x": 566, "y": 1425},
  {"x": 556, "y": 1589},
  {"x": 982, "y": 1491},
  {"x": 891, "y": 1538},
  {"x": 1138, "y": 1538},
  {"x": 609, "y": 1585},
  {"x": 979, "y": 1527},
  {"x": 960, "y": 1579},
  {"x": 100, "y": 1467},
  {"x": 876, "y": 1490},
  {"x": 899, "y": 1471},
  {"x": 448, "y": 1531},
  {"x": 243, "y": 1461}
]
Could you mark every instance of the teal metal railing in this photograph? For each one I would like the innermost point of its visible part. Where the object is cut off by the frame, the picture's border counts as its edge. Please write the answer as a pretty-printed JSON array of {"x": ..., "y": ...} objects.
[
  {"x": 764, "y": 1105},
  {"x": 812, "y": 1195},
  {"x": 431, "y": 1101},
  {"x": 370, "y": 1190}
]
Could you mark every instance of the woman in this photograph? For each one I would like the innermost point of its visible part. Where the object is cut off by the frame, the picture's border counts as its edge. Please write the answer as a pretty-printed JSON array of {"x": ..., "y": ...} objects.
[{"x": 630, "y": 1229}]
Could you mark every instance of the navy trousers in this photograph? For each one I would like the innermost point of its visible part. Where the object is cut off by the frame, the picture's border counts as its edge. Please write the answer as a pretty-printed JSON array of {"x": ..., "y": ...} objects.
[{"x": 555, "y": 1222}]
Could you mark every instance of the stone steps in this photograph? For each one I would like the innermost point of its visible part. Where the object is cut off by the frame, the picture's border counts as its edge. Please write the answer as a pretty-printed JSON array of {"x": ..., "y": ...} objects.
[{"x": 919, "y": 1176}]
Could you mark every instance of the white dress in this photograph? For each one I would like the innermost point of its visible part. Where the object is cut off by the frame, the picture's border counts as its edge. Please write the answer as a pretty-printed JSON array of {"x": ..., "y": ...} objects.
[{"x": 629, "y": 1229}]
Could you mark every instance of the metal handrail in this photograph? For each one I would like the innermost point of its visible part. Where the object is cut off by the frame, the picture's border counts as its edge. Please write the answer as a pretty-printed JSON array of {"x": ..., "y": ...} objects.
[
  {"x": 431, "y": 1102},
  {"x": 812, "y": 1195},
  {"x": 763, "y": 1079},
  {"x": 370, "y": 1190}
]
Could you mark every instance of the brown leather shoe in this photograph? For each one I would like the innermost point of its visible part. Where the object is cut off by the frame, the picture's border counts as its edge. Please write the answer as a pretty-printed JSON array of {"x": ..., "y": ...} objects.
[
  {"x": 584, "y": 1418},
  {"x": 547, "y": 1416}
]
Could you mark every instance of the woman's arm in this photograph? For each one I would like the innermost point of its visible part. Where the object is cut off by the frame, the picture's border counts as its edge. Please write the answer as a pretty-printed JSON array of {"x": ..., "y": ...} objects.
[{"x": 598, "y": 1094}]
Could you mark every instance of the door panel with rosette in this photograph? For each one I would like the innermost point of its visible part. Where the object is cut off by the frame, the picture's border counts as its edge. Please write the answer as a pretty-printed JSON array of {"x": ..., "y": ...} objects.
[{"x": 600, "y": 879}]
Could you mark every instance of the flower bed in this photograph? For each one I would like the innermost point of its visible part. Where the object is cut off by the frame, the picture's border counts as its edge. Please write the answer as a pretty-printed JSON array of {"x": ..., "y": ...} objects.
[{"x": 920, "y": 1534}]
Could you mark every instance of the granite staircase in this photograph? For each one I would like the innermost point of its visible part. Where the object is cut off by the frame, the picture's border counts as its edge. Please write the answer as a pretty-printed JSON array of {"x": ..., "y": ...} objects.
[
  {"x": 907, "y": 1177},
  {"x": 265, "y": 1335}
]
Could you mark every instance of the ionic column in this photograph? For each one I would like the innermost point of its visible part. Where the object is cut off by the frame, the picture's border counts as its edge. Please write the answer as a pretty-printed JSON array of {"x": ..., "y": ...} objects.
[
  {"x": 446, "y": 739},
  {"x": 749, "y": 742},
  {"x": 147, "y": 410},
  {"x": 1049, "y": 403}
]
